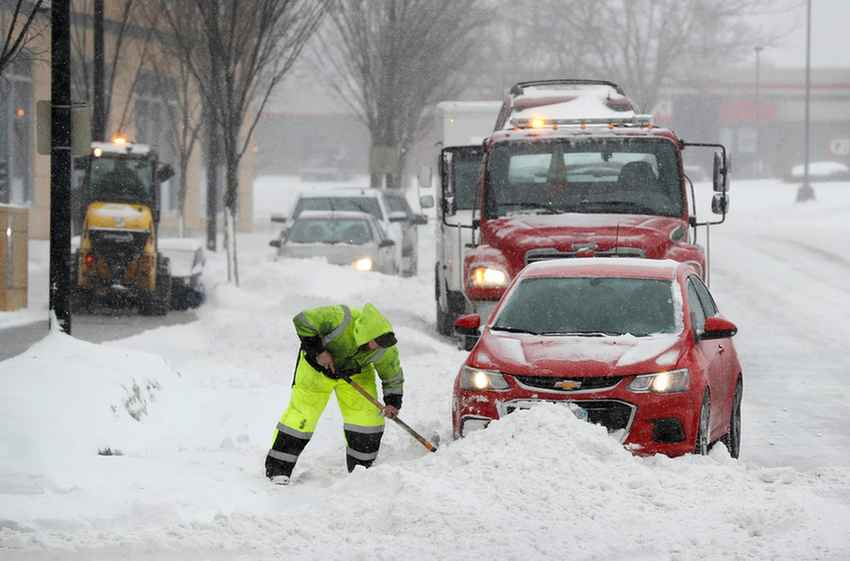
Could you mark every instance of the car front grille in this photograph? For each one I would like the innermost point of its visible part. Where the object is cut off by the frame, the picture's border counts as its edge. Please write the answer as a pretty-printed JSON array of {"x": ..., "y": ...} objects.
[
  {"x": 571, "y": 384},
  {"x": 544, "y": 254},
  {"x": 612, "y": 414}
]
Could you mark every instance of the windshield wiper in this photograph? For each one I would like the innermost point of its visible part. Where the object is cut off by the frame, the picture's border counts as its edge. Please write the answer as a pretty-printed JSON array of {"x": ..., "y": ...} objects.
[
  {"x": 583, "y": 333},
  {"x": 543, "y": 209},
  {"x": 618, "y": 206},
  {"x": 512, "y": 329}
]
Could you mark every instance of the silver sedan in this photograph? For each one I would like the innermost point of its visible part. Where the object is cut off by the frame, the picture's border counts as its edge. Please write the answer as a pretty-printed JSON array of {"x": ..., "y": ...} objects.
[{"x": 353, "y": 239}]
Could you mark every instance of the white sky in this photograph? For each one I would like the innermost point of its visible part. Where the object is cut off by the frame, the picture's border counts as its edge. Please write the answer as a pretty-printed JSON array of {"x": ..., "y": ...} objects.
[{"x": 830, "y": 39}]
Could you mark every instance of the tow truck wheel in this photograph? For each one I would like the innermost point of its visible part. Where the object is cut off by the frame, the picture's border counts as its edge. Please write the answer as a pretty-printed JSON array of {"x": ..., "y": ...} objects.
[{"x": 158, "y": 303}]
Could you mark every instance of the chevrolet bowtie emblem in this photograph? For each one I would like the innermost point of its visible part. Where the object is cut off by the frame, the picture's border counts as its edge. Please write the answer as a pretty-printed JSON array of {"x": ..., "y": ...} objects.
[{"x": 568, "y": 384}]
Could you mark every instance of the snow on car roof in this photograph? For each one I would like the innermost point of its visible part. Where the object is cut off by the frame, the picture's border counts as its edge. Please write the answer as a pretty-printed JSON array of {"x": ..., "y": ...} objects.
[
  {"x": 605, "y": 266},
  {"x": 341, "y": 192},
  {"x": 334, "y": 214}
]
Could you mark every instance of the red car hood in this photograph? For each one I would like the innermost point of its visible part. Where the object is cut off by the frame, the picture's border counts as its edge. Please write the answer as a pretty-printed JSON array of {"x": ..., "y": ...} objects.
[
  {"x": 531, "y": 355},
  {"x": 568, "y": 232}
]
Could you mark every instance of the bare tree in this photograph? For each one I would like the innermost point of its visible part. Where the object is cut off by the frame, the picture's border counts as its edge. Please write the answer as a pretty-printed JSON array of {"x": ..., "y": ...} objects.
[
  {"x": 131, "y": 16},
  {"x": 389, "y": 60},
  {"x": 18, "y": 28},
  {"x": 185, "y": 118},
  {"x": 643, "y": 44},
  {"x": 245, "y": 50}
]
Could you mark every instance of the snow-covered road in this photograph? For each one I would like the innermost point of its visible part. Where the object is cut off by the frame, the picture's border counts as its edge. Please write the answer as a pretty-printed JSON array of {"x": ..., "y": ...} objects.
[{"x": 537, "y": 485}]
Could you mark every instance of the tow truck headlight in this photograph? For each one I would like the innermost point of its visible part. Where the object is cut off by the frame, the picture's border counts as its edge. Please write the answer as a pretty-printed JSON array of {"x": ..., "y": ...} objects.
[
  {"x": 488, "y": 277},
  {"x": 661, "y": 382},
  {"x": 363, "y": 264},
  {"x": 481, "y": 380}
]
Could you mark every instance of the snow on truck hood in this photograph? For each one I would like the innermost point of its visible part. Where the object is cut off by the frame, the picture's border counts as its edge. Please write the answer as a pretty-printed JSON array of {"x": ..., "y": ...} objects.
[
  {"x": 566, "y": 229},
  {"x": 534, "y": 355}
]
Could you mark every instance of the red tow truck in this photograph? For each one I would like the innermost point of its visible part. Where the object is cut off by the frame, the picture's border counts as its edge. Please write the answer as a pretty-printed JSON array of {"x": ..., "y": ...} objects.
[{"x": 573, "y": 171}]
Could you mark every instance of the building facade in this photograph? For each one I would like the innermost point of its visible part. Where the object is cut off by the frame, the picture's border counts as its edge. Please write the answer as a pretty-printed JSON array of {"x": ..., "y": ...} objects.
[{"x": 138, "y": 98}]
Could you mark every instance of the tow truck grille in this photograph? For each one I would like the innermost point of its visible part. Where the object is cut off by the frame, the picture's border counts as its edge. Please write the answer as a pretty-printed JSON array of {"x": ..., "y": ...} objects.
[
  {"x": 534, "y": 255},
  {"x": 551, "y": 383}
]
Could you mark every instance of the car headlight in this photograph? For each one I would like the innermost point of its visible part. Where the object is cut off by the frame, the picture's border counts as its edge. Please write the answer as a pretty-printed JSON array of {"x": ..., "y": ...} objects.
[
  {"x": 488, "y": 277},
  {"x": 363, "y": 264},
  {"x": 661, "y": 382},
  {"x": 481, "y": 380}
]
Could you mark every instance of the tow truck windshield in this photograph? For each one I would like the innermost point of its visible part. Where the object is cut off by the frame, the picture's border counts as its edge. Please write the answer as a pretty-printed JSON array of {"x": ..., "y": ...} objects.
[
  {"x": 122, "y": 179},
  {"x": 606, "y": 175}
]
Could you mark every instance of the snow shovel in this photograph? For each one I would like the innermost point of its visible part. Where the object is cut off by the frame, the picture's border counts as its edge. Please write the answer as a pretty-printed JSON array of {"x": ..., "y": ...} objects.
[{"x": 422, "y": 440}]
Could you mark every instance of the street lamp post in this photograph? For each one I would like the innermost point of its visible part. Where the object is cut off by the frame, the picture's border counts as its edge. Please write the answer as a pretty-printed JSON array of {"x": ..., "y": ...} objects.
[
  {"x": 806, "y": 192},
  {"x": 758, "y": 49}
]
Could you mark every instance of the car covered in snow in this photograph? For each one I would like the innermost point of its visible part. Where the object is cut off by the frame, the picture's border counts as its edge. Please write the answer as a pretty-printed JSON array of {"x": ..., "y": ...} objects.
[
  {"x": 342, "y": 238},
  {"x": 389, "y": 208},
  {"x": 635, "y": 345}
]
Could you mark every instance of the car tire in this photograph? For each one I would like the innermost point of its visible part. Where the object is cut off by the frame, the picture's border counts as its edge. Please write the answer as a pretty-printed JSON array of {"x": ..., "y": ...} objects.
[
  {"x": 732, "y": 439},
  {"x": 445, "y": 322},
  {"x": 702, "y": 443}
]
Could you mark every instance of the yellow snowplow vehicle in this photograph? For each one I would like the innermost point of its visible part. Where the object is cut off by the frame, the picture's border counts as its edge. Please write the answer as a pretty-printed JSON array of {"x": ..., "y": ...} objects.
[{"x": 118, "y": 256}]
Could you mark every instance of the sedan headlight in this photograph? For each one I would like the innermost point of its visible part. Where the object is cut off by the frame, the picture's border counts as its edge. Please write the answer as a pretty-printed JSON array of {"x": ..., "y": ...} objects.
[
  {"x": 363, "y": 264},
  {"x": 487, "y": 277},
  {"x": 481, "y": 380},
  {"x": 661, "y": 382}
]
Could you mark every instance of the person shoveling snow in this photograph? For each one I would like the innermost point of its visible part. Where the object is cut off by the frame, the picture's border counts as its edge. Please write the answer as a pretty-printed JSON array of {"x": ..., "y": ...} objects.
[{"x": 341, "y": 348}]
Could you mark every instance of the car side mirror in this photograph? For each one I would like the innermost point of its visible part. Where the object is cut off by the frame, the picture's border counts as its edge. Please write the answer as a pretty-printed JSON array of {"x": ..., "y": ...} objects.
[
  {"x": 164, "y": 173},
  {"x": 426, "y": 201},
  {"x": 717, "y": 327},
  {"x": 398, "y": 216},
  {"x": 467, "y": 327},
  {"x": 275, "y": 243},
  {"x": 386, "y": 243},
  {"x": 720, "y": 203},
  {"x": 280, "y": 218}
]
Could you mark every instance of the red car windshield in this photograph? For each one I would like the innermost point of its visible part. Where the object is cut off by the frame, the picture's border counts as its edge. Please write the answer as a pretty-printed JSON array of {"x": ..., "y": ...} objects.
[
  {"x": 594, "y": 175},
  {"x": 589, "y": 306}
]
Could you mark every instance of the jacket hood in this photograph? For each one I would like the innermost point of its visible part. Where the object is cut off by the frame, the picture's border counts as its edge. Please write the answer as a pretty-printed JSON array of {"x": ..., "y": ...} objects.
[{"x": 370, "y": 324}]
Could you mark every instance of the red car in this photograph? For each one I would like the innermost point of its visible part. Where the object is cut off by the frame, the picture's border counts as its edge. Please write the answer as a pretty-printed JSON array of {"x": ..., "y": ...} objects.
[{"x": 635, "y": 345}]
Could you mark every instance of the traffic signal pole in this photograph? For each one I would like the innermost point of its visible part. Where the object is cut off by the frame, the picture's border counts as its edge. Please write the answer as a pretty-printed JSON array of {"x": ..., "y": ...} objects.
[{"x": 60, "y": 164}]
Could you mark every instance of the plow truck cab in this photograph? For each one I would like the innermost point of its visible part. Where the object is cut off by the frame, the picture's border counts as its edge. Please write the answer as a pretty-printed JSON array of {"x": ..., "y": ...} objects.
[
  {"x": 573, "y": 171},
  {"x": 118, "y": 259}
]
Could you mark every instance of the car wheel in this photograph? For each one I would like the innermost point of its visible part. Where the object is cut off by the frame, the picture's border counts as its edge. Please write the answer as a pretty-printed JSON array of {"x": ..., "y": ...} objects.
[
  {"x": 732, "y": 439},
  {"x": 703, "y": 440}
]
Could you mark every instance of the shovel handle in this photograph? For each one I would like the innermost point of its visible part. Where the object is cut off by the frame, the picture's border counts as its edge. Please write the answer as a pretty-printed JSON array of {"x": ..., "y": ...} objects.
[{"x": 421, "y": 439}]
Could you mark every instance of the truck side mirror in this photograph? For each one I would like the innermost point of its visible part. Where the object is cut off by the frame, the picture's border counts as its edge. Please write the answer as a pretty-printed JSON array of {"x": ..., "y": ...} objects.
[
  {"x": 426, "y": 201},
  {"x": 424, "y": 177},
  {"x": 720, "y": 203},
  {"x": 164, "y": 173},
  {"x": 275, "y": 243},
  {"x": 720, "y": 175},
  {"x": 279, "y": 218}
]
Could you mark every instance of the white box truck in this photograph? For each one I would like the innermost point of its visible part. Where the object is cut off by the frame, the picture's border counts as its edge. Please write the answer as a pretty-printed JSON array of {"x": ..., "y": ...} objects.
[{"x": 462, "y": 127}]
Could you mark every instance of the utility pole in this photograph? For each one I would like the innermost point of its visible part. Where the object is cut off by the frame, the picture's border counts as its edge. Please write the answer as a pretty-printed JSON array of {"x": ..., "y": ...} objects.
[
  {"x": 60, "y": 163},
  {"x": 98, "y": 105},
  {"x": 806, "y": 192},
  {"x": 758, "y": 49}
]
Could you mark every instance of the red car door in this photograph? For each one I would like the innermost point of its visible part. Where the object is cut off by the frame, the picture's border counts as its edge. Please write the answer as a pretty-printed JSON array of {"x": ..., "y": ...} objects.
[{"x": 712, "y": 353}]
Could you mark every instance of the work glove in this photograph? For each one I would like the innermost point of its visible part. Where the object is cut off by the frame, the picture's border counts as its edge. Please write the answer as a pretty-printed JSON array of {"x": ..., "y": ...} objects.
[{"x": 393, "y": 399}]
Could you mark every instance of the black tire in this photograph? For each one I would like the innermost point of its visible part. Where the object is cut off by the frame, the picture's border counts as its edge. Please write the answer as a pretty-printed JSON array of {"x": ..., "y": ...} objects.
[
  {"x": 158, "y": 303},
  {"x": 702, "y": 443},
  {"x": 732, "y": 439}
]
